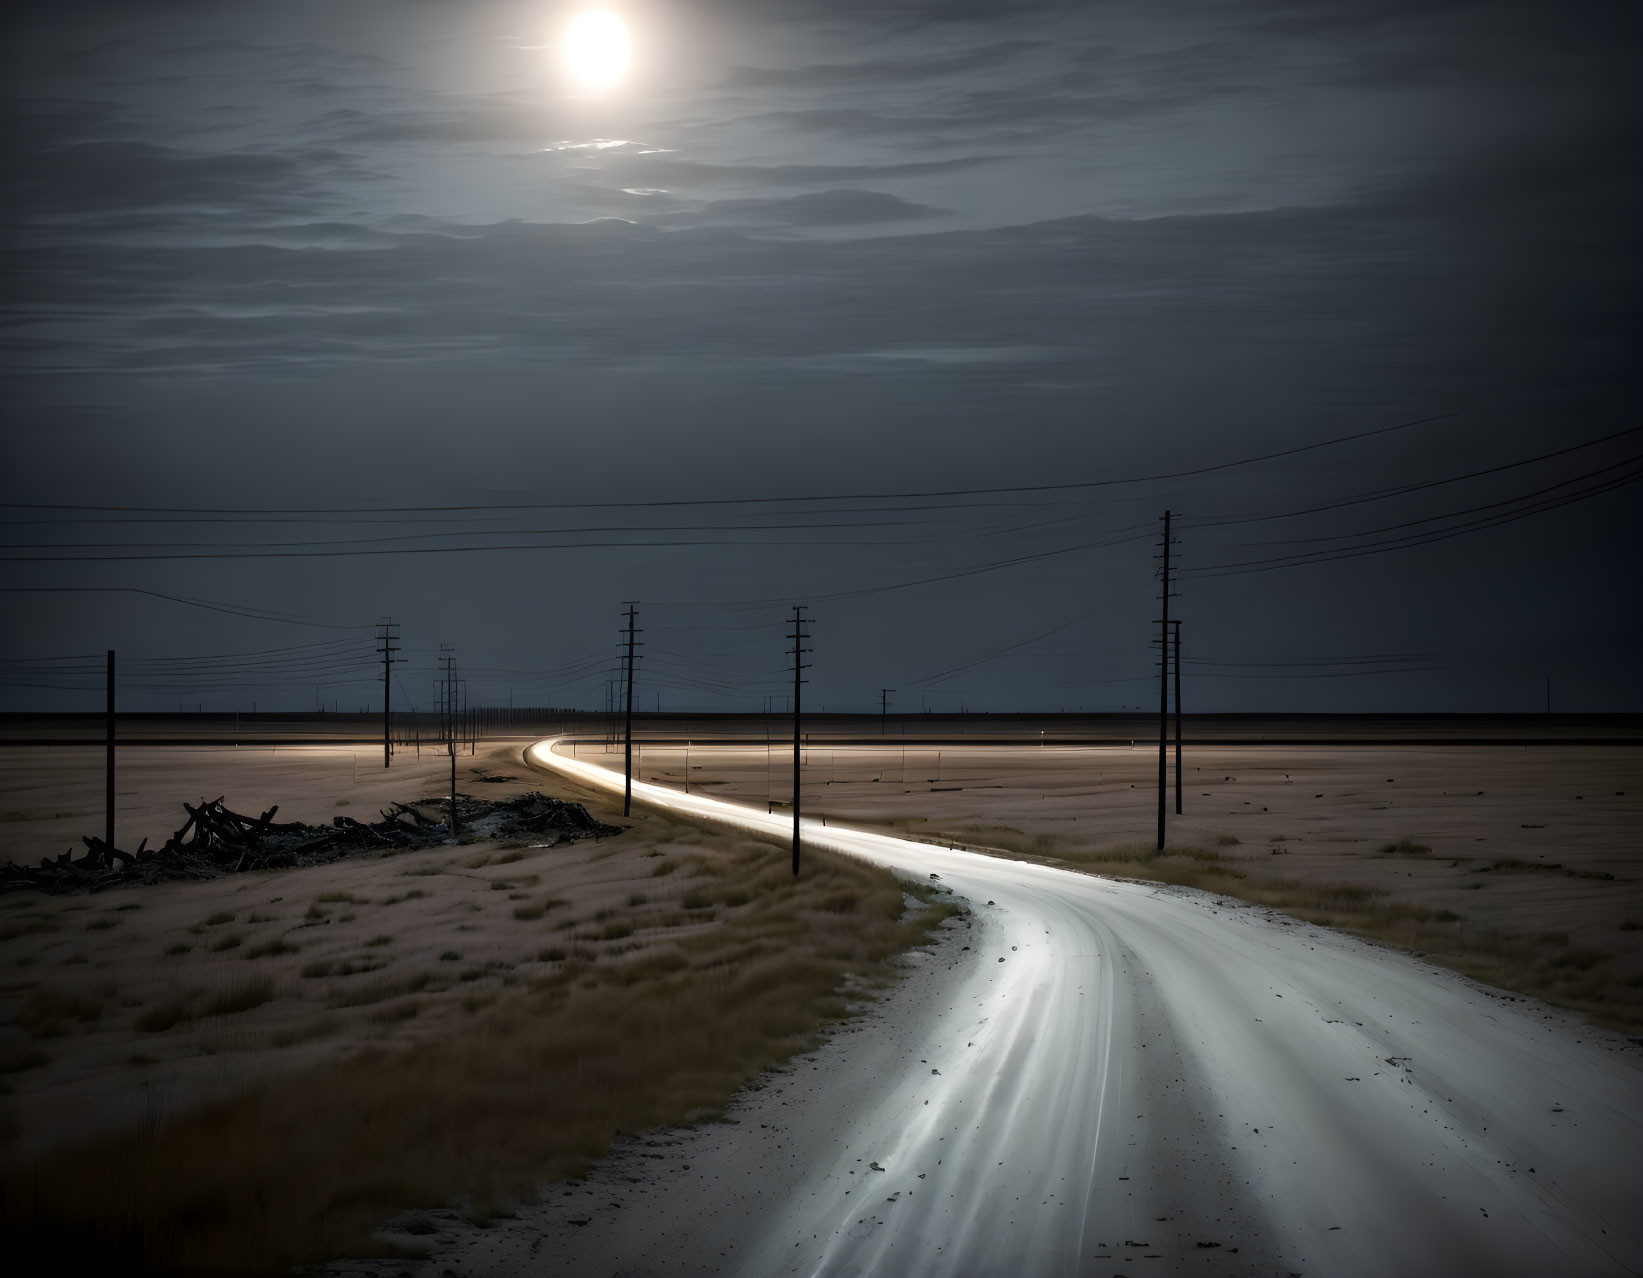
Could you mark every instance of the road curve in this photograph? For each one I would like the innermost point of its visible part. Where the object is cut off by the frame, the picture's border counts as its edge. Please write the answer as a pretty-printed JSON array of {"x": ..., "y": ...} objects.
[{"x": 1134, "y": 1074}]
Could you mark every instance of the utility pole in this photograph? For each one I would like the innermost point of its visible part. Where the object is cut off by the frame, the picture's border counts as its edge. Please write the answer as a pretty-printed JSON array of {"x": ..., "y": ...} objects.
[
  {"x": 884, "y": 707},
  {"x": 447, "y": 657},
  {"x": 797, "y": 651},
  {"x": 632, "y": 615},
  {"x": 387, "y": 632},
  {"x": 1177, "y": 718},
  {"x": 1163, "y": 686},
  {"x": 108, "y": 786}
]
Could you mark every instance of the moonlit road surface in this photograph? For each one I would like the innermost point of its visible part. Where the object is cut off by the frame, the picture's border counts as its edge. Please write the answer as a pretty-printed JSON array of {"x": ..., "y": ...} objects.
[{"x": 1153, "y": 1075}]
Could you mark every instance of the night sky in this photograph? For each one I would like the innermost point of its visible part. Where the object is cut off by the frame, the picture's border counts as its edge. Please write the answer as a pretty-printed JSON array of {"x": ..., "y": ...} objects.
[{"x": 313, "y": 285}]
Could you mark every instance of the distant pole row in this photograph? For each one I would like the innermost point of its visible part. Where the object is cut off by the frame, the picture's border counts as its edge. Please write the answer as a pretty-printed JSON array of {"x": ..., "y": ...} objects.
[{"x": 450, "y": 692}]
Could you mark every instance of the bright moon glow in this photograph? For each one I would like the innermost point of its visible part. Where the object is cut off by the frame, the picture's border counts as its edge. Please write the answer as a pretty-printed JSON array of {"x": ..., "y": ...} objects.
[{"x": 596, "y": 48}]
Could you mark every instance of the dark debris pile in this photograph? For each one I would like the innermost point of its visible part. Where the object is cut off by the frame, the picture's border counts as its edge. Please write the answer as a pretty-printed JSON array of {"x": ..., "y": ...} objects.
[{"x": 215, "y": 841}]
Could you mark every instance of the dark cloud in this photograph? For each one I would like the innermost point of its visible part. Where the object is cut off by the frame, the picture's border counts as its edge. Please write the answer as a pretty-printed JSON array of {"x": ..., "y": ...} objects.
[
  {"x": 654, "y": 170},
  {"x": 817, "y": 209},
  {"x": 843, "y": 120},
  {"x": 100, "y": 177},
  {"x": 1329, "y": 287},
  {"x": 889, "y": 70},
  {"x": 467, "y": 124}
]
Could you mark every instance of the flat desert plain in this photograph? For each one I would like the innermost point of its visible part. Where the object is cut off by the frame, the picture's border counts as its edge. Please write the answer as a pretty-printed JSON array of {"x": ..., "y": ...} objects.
[
  {"x": 1538, "y": 842},
  {"x": 127, "y": 1008}
]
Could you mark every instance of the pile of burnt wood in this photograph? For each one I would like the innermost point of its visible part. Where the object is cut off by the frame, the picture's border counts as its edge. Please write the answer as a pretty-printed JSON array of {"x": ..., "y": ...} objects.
[{"x": 215, "y": 841}]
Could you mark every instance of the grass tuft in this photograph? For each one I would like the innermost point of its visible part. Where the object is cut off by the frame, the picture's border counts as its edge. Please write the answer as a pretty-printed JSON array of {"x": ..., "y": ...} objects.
[
  {"x": 270, "y": 949},
  {"x": 162, "y": 1016},
  {"x": 378, "y": 991},
  {"x": 240, "y": 996},
  {"x": 48, "y": 1010}
]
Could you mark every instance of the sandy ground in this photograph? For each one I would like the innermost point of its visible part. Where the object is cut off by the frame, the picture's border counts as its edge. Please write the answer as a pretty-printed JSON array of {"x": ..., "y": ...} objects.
[
  {"x": 377, "y": 949},
  {"x": 1571, "y": 816}
]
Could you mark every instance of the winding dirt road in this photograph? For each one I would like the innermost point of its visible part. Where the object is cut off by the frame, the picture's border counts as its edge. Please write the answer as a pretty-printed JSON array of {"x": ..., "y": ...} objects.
[{"x": 1132, "y": 1075}]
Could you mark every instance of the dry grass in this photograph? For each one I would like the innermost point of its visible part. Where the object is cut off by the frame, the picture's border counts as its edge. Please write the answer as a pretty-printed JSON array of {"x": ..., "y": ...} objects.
[
  {"x": 239, "y": 996},
  {"x": 307, "y": 1032},
  {"x": 270, "y": 949},
  {"x": 20, "y": 1059},
  {"x": 48, "y": 1011},
  {"x": 162, "y": 1016},
  {"x": 1542, "y": 965},
  {"x": 378, "y": 991},
  {"x": 657, "y": 1018}
]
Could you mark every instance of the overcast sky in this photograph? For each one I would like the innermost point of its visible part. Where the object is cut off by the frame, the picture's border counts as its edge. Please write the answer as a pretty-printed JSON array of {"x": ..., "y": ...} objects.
[{"x": 362, "y": 254}]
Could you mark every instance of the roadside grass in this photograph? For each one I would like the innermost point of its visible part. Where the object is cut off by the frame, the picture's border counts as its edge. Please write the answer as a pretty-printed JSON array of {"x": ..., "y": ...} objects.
[
  {"x": 48, "y": 1011},
  {"x": 655, "y": 1019},
  {"x": 237, "y": 995},
  {"x": 1542, "y": 965}
]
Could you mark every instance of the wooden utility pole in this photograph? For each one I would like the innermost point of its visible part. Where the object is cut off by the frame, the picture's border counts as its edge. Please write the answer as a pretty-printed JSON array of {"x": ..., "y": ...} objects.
[
  {"x": 798, "y": 650},
  {"x": 448, "y": 657},
  {"x": 632, "y": 615},
  {"x": 387, "y": 632},
  {"x": 1177, "y": 718},
  {"x": 108, "y": 783},
  {"x": 884, "y": 707},
  {"x": 1163, "y": 687}
]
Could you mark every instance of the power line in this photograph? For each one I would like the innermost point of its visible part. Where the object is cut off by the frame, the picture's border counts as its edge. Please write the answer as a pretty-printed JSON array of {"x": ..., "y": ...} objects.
[
  {"x": 434, "y": 550},
  {"x": 745, "y": 501},
  {"x": 1426, "y": 538},
  {"x": 236, "y": 610},
  {"x": 1223, "y": 521},
  {"x": 512, "y": 532},
  {"x": 1607, "y": 472}
]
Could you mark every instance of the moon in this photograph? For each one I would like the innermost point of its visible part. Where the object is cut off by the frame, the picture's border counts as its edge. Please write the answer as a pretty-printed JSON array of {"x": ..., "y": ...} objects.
[{"x": 596, "y": 48}]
